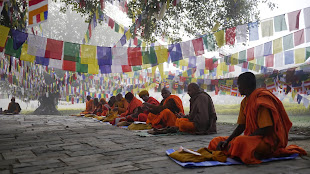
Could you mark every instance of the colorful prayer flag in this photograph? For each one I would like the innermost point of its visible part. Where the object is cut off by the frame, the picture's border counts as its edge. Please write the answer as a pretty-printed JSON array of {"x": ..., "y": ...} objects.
[
  {"x": 289, "y": 57},
  {"x": 293, "y": 20},
  {"x": 253, "y": 30},
  {"x": 71, "y": 51},
  {"x": 250, "y": 54},
  {"x": 267, "y": 28},
  {"x": 37, "y": 12},
  {"x": 280, "y": 23},
  {"x": 24, "y": 54},
  {"x": 299, "y": 37},
  {"x": 277, "y": 45},
  {"x": 288, "y": 42},
  {"x": 198, "y": 46},
  {"x": 4, "y": 31},
  {"x": 259, "y": 51},
  {"x": 268, "y": 48},
  {"x": 307, "y": 17},
  {"x": 269, "y": 60},
  {"x": 278, "y": 62},
  {"x": 241, "y": 33},
  {"x": 300, "y": 54},
  {"x": 53, "y": 49},
  {"x": 219, "y": 36},
  {"x": 230, "y": 35}
]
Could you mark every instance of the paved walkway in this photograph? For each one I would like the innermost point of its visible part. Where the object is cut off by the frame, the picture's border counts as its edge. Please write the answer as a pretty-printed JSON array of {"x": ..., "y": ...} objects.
[{"x": 66, "y": 144}]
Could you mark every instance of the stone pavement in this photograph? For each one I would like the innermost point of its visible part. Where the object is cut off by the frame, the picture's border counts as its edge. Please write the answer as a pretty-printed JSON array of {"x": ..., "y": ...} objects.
[{"x": 66, "y": 144}]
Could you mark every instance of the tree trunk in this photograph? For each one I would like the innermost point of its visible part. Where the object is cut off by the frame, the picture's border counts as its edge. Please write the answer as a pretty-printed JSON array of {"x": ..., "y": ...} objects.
[{"x": 48, "y": 105}]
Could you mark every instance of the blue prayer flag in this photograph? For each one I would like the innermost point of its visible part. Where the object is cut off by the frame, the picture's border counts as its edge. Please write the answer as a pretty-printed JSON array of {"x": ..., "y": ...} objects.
[
  {"x": 289, "y": 57},
  {"x": 268, "y": 48},
  {"x": 253, "y": 31}
]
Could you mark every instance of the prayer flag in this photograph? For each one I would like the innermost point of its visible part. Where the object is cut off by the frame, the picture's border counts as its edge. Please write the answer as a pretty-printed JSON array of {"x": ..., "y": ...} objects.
[
  {"x": 230, "y": 35},
  {"x": 242, "y": 56},
  {"x": 259, "y": 51},
  {"x": 116, "y": 68},
  {"x": 280, "y": 23},
  {"x": 149, "y": 57},
  {"x": 123, "y": 40},
  {"x": 55, "y": 63},
  {"x": 299, "y": 37},
  {"x": 300, "y": 54},
  {"x": 128, "y": 35},
  {"x": 126, "y": 68},
  {"x": 42, "y": 61},
  {"x": 267, "y": 28},
  {"x": 288, "y": 42},
  {"x": 209, "y": 43},
  {"x": 9, "y": 50},
  {"x": 192, "y": 62},
  {"x": 307, "y": 17},
  {"x": 24, "y": 54},
  {"x": 293, "y": 20},
  {"x": 234, "y": 59},
  {"x": 175, "y": 52},
  {"x": 53, "y": 49},
  {"x": 279, "y": 60},
  {"x": 277, "y": 45},
  {"x": 18, "y": 38},
  {"x": 267, "y": 48},
  {"x": 289, "y": 57},
  {"x": 69, "y": 65},
  {"x": 219, "y": 36},
  {"x": 93, "y": 69},
  {"x": 71, "y": 51},
  {"x": 269, "y": 60},
  {"x": 37, "y": 12},
  {"x": 241, "y": 33},
  {"x": 161, "y": 54},
  {"x": 134, "y": 56},
  {"x": 88, "y": 54},
  {"x": 187, "y": 49},
  {"x": 250, "y": 54},
  {"x": 209, "y": 64},
  {"x": 36, "y": 45},
  {"x": 104, "y": 55},
  {"x": 307, "y": 31},
  {"x": 198, "y": 46},
  {"x": 4, "y": 31},
  {"x": 105, "y": 69},
  {"x": 111, "y": 23},
  {"x": 120, "y": 56},
  {"x": 260, "y": 61},
  {"x": 307, "y": 53},
  {"x": 253, "y": 30}
]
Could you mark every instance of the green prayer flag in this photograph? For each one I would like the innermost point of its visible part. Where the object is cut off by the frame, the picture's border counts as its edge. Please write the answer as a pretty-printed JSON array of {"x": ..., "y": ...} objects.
[
  {"x": 288, "y": 42},
  {"x": 136, "y": 68},
  {"x": 261, "y": 61},
  {"x": 209, "y": 42},
  {"x": 307, "y": 53},
  {"x": 71, "y": 51},
  {"x": 279, "y": 23},
  {"x": 149, "y": 57},
  {"x": 83, "y": 68},
  {"x": 116, "y": 27},
  {"x": 242, "y": 56},
  {"x": 9, "y": 50}
]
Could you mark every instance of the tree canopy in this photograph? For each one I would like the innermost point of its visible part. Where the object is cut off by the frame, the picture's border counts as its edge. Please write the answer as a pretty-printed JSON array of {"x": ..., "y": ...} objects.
[{"x": 174, "y": 19}]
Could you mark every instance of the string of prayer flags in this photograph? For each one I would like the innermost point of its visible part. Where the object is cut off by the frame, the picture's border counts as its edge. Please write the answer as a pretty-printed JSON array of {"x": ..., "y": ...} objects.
[
  {"x": 280, "y": 23},
  {"x": 88, "y": 54},
  {"x": 293, "y": 20},
  {"x": 288, "y": 42},
  {"x": 104, "y": 56},
  {"x": 71, "y": 51},
  {"x": 24, "y": 54},
  {"x": 9, "y": 49},
  {"x": 241, "y": 33},
  {"x": 219, "y": 36},
  {"x": 36, "y": 45},
  {"x": 54, "y": 49},
  {"x": 175, "y": 52},
  {"x": 198, "y": 46},
  {"x": 18, "y": 38},
  {"x": 37, "y": 12},
  {"x": 161, "y": 54}
]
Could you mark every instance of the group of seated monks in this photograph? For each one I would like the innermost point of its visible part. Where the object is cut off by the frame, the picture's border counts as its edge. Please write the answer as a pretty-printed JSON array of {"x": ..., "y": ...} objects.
[
  {"x": 13, "y": 108},
  {"x": 262, "y": 119}
]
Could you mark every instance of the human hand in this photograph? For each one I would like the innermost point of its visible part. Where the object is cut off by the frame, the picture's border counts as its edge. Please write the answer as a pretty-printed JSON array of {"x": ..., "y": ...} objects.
[{"x": 222, "y": 145}]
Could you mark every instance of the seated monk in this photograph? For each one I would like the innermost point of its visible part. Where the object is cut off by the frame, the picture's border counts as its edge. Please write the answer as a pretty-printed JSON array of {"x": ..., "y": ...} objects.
[
  {"x": 164, "y": 115},
  {"x": 144, "y": 95},
  {"x": 89, "y": 106},
  {"x": 121, "y": 104},
  {"x": 97, "y": 106},
  {"x": 132, "y": 110},
  {"x": 202, "y": 117},
  {"x": 13, "y": 107},
  {"x": 264, "y": 122},
  {"x": 104, "y": 107}
]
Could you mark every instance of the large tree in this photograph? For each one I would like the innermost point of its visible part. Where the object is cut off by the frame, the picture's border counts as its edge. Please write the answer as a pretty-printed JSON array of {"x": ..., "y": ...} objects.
[{"x": 168, "y": 18}]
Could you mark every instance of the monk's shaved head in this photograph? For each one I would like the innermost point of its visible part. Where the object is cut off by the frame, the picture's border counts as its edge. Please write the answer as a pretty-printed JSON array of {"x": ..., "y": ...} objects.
[
  {"x": 166, "y": 90},
  {"x": 194, "y": 86}
]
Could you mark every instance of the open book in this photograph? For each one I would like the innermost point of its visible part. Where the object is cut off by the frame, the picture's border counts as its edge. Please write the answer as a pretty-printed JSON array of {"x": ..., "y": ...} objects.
[{"x": 188, "y": 151}]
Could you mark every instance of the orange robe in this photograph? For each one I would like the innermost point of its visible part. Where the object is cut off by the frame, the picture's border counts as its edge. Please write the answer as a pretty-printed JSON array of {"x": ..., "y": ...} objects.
[
  {"x": 89, "y": 107},
  {"x": 135, "y": 103},
  {"x": 185, "y": 125},
  {"x": 166, "y": 117},
  {"x": 143, "y": 116},
  {"x": 122, "y": 106},
  {"x": 260, "y": 109}
]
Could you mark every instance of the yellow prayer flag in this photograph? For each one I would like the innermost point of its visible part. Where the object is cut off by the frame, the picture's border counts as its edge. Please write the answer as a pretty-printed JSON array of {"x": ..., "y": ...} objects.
[
  {"x": 153, "y": 70},
  {"x": 234, "y": 59},
  {"x": 300, "y": 55},
  {"x": 206, "y": 71},
  {"x": 229, "y": 82},
  {"x": 93, "y": 69},
  {"x": 219, "y": 37},
  {"x": 184, "y": 74},
  {"x": 67, "y": 98},
  {"x": 183, "y": 62},
  {"x": 130, "y": 74},
  {"x": 194, "y": 80},
  {"x": 219, "y": 72},
  {"x": 97, "y": 14},
  {"x": 88, "y": 54},
  {"x": 24, "y": 54},
  {"x": 145, "y": 66},
  {"x": 161, "y": 53},
  {"x": 4, "y": 31},
  {"x": 216, "y": 27},
  {"x": 128, "y": 35},
  {"x": 161, "y": 71},
  {"x": 293, "y": 94},
  {"x": 277, "y": 45},
  {"x": 115, "y": 92},
  {"x": 121, "y": 29}
]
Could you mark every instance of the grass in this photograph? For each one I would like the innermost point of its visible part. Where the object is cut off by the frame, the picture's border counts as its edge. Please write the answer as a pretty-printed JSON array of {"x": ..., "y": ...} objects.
[{"x": 62, "y": 111}]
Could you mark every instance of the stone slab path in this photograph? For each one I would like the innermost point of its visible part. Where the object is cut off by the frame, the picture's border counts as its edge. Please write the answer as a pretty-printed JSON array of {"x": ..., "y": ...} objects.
[{"x": 66, "y": 144}]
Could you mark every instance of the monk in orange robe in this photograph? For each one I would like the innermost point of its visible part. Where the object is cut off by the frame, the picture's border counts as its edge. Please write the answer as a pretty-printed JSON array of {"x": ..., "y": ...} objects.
[
  {"x": 121, "y": 104},
  {"x": 164, "y": 115},
  {"x": 133, "y": 107},
  {"x": 264, "y": 122},
  {"x": 104, "y": 107},
  {"x": 144, "y": 95},
  {"x": 202, "y": 117},
  {"x": 89, "y": 106}
]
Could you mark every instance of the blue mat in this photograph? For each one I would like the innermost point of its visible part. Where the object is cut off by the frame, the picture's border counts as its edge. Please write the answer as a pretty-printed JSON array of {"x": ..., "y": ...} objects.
[{"x": 228, "y": 162}]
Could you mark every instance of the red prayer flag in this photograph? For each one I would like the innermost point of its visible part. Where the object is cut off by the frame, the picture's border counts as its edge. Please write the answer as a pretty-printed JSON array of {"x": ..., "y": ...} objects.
[
  {"x": 111, "y": 23},
  {"x": 198, "y": 46},
  {"x": 230, "y": 36},
  {"x": 53, "y": 49},
  {"x": 126, "y": 68},
  {"x": 250, "y": 54},
  {"x": 68, "y": 65},
  {"x": 269, "y": 60},
  {"x": 134, "y": 56},
  {"x": 209, "y": 64}
]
